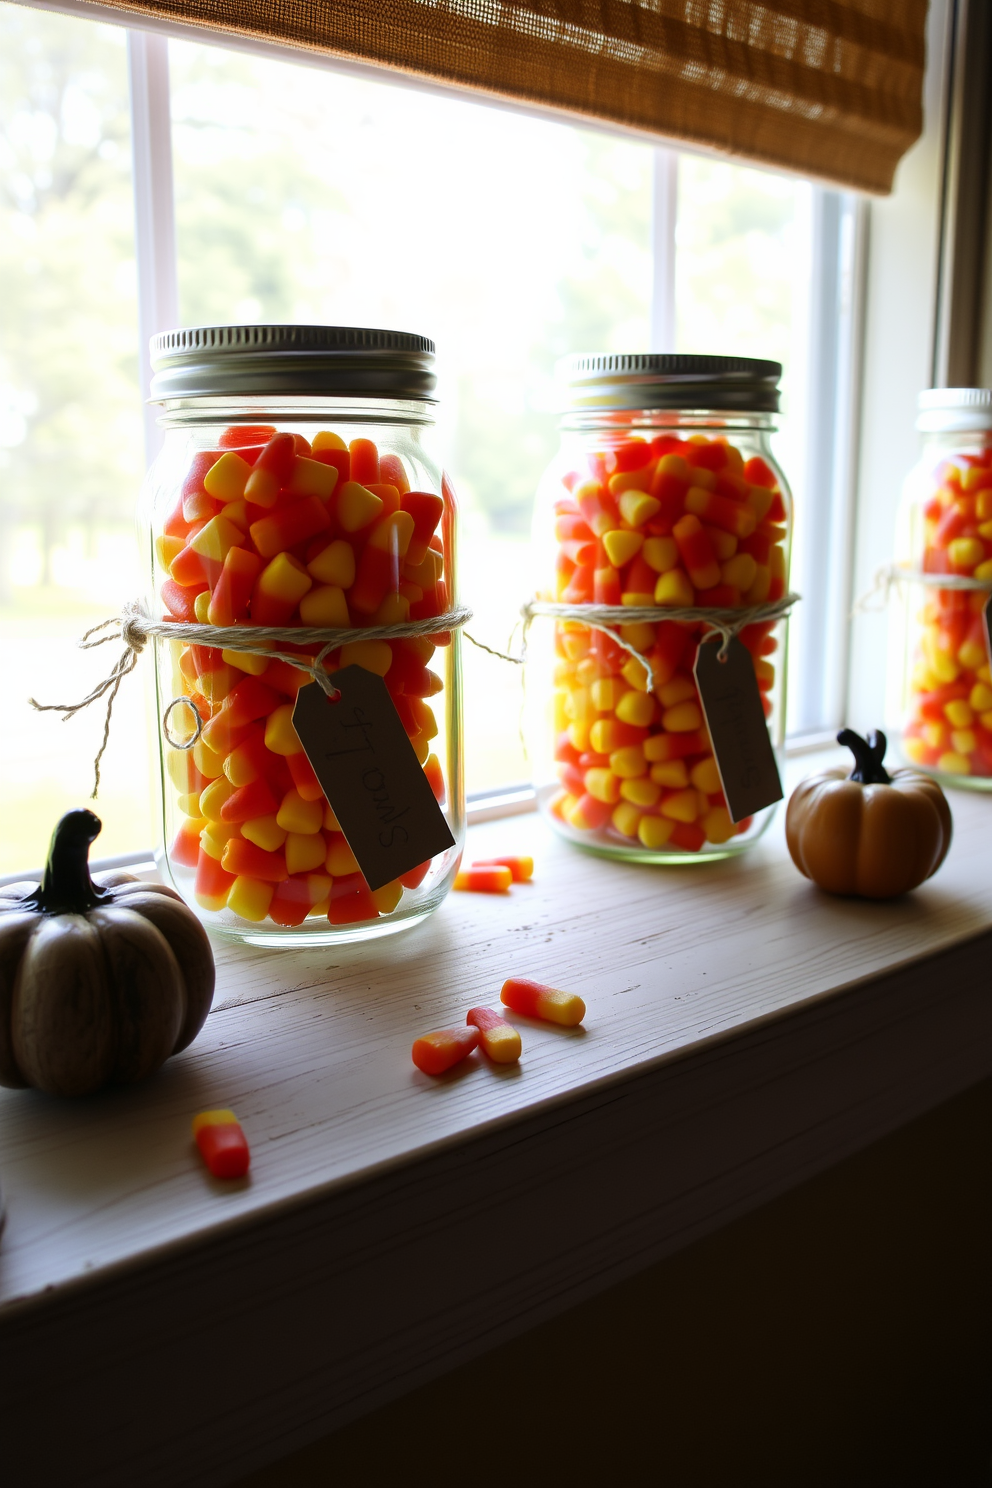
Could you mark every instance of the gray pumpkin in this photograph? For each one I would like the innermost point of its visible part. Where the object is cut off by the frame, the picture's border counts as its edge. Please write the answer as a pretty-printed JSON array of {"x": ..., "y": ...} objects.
[{"x": 101, "y": 979}]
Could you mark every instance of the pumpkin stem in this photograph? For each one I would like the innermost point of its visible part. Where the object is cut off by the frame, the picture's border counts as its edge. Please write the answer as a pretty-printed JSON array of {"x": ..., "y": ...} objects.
[
  {"x": 67, "y": 887},
  {"x": 868, "y": 756}
]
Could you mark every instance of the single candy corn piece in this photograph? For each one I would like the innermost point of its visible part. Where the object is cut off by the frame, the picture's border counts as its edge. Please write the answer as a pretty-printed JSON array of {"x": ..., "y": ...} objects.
[
  {"x": 436, "y": 1052},
  {"x": 232, "y": 590},
  {"x": 478, "y": 880},
  {"x": 287, "y": 526},
  {"x": 303, "y": 777},
  {"x": 350, "y": 900},
  {"x": 244, "y": 436},
  {"x": 222, "y": 1143},
  {"x": 325, "y": 440},
  {"x": 521, "y": 869},
  {"x": 312, "y": 478},
  {"x": 225, "y": 480},
  {"x": 535, "y": 1000},
  {"x": 391, "y": 469},
  {"x": 334, "y": 564},
  {"x": 364, "y": 461},
  {"x": 425, "y": 509},
  {"x": 499, "y": 1040},
  {"x": 356, "y": 507},
  {"x": 246, "y": 859},
  {"x": 213, "y": 883},
  {"x": 186, "y": 846},
  {"x": 271, "y": 471},
  {"x": 279, "y": 589},
  {"x": 180, "y": 602}
]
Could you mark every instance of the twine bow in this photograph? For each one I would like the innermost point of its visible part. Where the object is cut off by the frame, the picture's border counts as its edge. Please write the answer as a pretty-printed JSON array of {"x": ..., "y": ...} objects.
[
  {"x": 134, "y": 626},
  {"x": 891, "y": 575}
]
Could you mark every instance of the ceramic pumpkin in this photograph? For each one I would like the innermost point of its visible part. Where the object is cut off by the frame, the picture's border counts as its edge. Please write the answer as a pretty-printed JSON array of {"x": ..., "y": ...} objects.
[
  {"x": 101, "y": 980},
  {"x": 868, "y": 833}
]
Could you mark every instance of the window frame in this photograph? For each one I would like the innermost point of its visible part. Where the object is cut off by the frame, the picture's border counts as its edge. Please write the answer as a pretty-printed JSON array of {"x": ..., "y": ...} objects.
[{"x": 845, "y": 324}]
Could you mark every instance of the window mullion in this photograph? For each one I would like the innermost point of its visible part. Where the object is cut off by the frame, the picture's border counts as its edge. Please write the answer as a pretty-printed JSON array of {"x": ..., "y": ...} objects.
[
  {"x": 819, "y": 678},
  {"x": 154, "y": 210},
  {"x": 664, "y": 214}
]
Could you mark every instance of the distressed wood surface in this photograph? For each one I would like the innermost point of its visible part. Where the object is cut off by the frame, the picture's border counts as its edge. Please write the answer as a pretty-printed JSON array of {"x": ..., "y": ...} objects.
[{"x": 312, "y": 1048}]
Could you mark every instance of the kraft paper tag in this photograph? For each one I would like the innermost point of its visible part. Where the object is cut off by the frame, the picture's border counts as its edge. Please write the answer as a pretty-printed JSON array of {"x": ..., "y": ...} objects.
[
  {"x": 988, "y": 627},
  {"x": 371, "y": 776},
  {"x": 729, "y": 693}
]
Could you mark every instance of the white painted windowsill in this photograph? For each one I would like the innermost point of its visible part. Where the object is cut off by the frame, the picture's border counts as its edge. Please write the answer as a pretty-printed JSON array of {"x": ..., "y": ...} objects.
[{"x": 743, "y": 1032}]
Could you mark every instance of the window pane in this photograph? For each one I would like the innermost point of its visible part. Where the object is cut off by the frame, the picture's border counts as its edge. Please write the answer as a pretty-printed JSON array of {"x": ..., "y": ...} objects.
[
  {"x": 70, "y": 425},
  {"x": 303, "y": 195},
  {"x": 742, "y": 287}
]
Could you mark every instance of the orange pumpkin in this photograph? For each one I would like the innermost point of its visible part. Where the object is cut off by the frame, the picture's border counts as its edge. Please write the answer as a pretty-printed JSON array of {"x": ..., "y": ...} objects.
[{"x": 868, "y": 833}]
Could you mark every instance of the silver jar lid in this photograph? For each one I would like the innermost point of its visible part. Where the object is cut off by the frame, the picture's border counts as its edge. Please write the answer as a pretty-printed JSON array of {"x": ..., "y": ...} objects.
[
  {"x": 310, "y": 361},
  {"x": 660, "y": 380},
  {"x": 954, "y": 410}
]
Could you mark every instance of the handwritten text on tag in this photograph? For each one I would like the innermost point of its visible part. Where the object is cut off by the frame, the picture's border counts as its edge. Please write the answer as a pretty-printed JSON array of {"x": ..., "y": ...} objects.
[{"x": 371, "y": 776}]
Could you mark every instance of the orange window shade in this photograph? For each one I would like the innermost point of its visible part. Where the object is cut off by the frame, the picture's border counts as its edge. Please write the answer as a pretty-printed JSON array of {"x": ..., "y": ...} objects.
[{"x": 829, "y": 88}]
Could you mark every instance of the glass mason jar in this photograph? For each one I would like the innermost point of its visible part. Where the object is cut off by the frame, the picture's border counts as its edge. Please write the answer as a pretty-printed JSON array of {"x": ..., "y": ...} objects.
[
  {"x": 939, "y": 686},
  {"x": 664, "y": 493},
  {"x": 350, "y": 523}
]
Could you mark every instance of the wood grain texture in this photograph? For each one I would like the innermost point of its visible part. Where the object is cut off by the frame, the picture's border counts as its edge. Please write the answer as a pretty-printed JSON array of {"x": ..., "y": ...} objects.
[{"x": 743, "y": 1032}]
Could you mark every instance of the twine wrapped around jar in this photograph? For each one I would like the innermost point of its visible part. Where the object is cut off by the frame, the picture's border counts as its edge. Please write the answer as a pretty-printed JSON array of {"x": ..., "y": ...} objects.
[{"x": 134, "y": 625}]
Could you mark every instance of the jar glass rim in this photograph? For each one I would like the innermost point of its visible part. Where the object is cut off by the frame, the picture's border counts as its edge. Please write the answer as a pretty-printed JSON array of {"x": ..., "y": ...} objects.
[
  {"x": 196, "y": 412},
  {"x": 592, "y": 420}
]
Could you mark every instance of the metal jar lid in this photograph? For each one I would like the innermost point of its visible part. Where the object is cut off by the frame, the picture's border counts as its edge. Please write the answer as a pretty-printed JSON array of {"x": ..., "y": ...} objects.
[
  {"x": 669, "y": 380},
  {"x": 310, "y": 361},
  {"x": 954, "y": 410}
]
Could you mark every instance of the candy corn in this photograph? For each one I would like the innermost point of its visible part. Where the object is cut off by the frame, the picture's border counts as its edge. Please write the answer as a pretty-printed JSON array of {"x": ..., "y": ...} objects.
[
  {"x": 222, "y": 1143},
  {"x": 436, "y": 1052},
  {"x": 499, "y": 1040},
  {"x": 272, "y": 529},
  {"x": 535, "y": 1000}
]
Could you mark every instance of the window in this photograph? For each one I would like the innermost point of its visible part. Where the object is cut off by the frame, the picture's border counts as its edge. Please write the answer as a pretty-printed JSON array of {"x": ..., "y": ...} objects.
[
  {"x": 70, "y": 424},
  {"x": 303, "y": 193}
]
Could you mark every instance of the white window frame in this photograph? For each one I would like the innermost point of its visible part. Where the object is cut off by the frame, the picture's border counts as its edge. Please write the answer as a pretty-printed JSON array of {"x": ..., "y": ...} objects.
[{"x": 154, "y": 206}]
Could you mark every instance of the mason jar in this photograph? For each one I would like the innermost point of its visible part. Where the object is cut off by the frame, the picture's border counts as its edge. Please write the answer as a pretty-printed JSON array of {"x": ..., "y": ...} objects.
[
  {"x": 296, "y": 488},
  {"x": 940, "y": 688},
  {"x": 664, "y": 493}
]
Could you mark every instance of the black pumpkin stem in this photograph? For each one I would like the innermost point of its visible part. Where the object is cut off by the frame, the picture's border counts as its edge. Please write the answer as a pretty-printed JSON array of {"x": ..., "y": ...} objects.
[
  {"x": 868, "y": 756},
  {"x": 67, "y": 887}
]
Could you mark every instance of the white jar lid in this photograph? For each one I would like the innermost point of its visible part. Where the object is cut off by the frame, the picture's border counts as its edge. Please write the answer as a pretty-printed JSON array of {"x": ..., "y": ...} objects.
[{"x": 954, "y": 410}]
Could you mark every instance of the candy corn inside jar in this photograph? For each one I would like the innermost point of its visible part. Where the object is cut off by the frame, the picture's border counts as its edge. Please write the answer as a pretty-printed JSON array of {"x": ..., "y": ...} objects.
[
  {"x": 940, "y": 687},
  {"x": 664, "y": 495},
  {"x": 296, "y": 490}
]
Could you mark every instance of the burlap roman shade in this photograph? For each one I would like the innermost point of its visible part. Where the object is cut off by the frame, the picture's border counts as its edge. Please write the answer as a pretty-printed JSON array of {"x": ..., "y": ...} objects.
[{"x": 831, "y": 88}]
